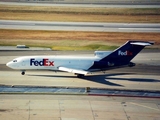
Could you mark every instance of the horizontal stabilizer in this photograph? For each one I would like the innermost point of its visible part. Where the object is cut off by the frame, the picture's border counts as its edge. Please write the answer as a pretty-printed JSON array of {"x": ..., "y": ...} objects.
[
  {"x": 65, "y": 69},
  {"x": 142, "y": 43}
]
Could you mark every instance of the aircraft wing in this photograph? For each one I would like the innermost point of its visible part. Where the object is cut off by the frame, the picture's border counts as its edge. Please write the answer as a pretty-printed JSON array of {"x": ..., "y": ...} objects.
[{"x": 71, "y": 70}]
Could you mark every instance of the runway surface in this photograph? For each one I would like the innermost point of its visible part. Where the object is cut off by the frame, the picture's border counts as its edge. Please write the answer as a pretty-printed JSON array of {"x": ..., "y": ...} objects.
[
  {"x": 57, "y": 107},
  {"x": 80, "y": 26},
  {"x": 105, "y": 4},
  {"x": 144, "y": 76}
]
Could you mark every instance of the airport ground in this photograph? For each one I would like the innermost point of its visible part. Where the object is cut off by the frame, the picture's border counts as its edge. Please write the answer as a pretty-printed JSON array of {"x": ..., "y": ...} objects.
[
  {"x": 73, "y": 40},
  {"x": 80, "y": 14},
  {"x": 58, "y": 107},
  {"x": 144, "y": 76},
  {"x": 73, "y": 13}
]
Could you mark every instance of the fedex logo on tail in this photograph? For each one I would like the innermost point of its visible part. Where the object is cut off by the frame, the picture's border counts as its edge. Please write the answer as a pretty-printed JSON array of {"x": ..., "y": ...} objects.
[
  {"x": 126, "y": 53},
  {"x": 43, "y": 62}
]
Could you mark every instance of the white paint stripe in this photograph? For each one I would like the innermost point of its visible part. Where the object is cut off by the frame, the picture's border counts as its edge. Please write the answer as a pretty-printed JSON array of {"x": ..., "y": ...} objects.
[{"x": 144, "y": 106}]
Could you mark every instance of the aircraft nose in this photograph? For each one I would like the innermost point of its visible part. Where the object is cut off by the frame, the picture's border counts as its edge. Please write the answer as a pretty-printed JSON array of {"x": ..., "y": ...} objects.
[{"x": 9, "y": 64}]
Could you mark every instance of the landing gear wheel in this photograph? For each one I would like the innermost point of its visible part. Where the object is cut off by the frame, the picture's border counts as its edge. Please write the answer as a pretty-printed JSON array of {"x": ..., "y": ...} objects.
[
  {"x": 23, "y": 73},
  {"x": 80, "y": 75}
]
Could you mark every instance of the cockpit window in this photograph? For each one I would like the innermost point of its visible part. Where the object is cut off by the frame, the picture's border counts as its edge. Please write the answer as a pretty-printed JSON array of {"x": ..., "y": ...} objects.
[{"x": 14, "y": 60}]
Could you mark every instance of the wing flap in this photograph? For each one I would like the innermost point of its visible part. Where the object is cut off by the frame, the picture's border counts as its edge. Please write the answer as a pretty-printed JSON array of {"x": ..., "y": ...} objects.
[{"x": 71, "y": 70}]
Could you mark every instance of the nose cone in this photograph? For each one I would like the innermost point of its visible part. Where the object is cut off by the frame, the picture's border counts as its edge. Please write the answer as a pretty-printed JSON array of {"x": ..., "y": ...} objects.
[{"x": 10, "y": 65}]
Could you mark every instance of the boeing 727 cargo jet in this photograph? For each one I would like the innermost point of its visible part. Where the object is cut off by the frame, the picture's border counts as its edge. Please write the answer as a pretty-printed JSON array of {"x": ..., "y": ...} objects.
[{"x": 80, "y": 66}]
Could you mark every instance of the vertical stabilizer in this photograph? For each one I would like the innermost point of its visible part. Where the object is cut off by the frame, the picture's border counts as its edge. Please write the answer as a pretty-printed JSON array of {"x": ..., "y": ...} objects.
[{"x": 122, "y": 55}]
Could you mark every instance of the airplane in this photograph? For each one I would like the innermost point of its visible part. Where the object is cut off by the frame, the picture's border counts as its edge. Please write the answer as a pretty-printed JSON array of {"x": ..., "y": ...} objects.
[{"x": 80, "y": 65}]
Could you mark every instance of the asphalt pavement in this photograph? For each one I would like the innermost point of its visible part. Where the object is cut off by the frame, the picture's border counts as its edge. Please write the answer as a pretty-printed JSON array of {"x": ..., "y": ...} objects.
[
  {"x": 89, "y": 3},
  {"x": 145, "y": 75},
  {"x": 90, "y": 106},
  {"x": 80, "y": 26}
]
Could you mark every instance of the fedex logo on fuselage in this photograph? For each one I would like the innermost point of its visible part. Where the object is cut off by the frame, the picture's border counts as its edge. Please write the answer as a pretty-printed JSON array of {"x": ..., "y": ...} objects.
[
  {"x": 43, "y": 62},
  {"x": 126, "y": 53}
]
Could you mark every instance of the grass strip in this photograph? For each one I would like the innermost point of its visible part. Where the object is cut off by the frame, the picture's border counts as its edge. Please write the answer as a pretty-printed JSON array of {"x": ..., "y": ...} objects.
[
  {"x": 80, "y": 10},
  {"x": 80, "y": 14},
  {"x": 87, "y": 47},
  {"x": 71, "y": 40}
]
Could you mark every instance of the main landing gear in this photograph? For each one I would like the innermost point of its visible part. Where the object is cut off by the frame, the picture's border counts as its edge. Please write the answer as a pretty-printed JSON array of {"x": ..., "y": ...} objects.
[
  {"x": 23, "y": 72},
  {"x": 79, "y": 75}
]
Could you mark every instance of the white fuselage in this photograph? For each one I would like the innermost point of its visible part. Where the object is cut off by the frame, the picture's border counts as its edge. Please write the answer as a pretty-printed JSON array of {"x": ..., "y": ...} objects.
[{"x": 52, "y": 62}]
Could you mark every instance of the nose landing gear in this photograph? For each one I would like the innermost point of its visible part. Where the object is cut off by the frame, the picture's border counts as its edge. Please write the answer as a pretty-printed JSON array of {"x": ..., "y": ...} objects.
[{"x": 23, "y": 72}]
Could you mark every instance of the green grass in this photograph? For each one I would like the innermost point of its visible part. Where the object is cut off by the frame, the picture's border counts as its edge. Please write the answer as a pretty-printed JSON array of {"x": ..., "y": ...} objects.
[
  {"x": 87, "y": 47},
  {"x": 69, "y": 40},
  {"x": 62, "y": 44},
  {"x": 68, "y": 48}
]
